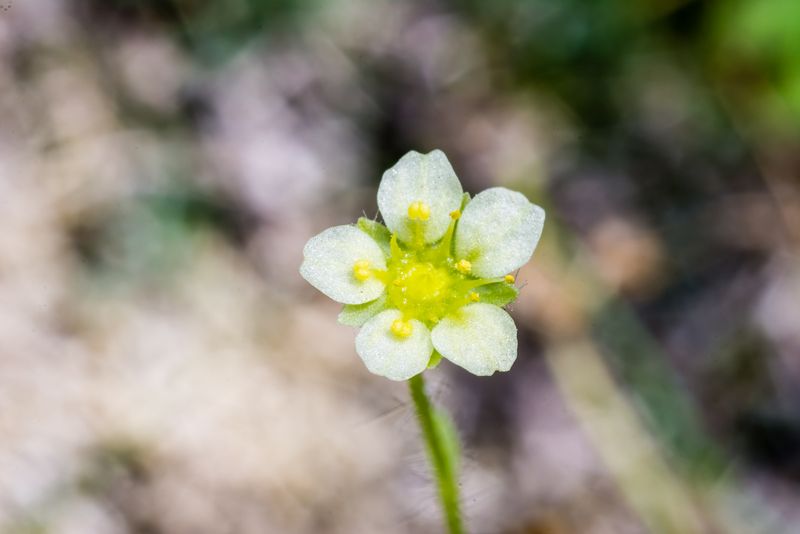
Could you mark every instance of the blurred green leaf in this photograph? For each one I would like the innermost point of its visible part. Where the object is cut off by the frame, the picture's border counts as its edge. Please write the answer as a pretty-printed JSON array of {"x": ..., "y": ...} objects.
[
  {"x": 665, "y": 404},
  {"x": 214, "y": 31}
]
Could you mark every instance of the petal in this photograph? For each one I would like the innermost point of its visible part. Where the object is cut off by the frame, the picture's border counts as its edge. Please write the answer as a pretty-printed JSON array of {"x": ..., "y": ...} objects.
[
  {"x": 394, "y": 357},
  {"x": 481, "y": 338},
  {"x": 498, "y": 232},
  {"x": 358, "y": 314},
  {"x": 427, "y": 178},
  {"x": 328, "y": 260}
]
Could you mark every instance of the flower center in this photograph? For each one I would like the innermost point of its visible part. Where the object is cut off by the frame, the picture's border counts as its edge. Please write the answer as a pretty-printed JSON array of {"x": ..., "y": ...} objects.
[
  {"x": 420, "y": 284},
  {"x": 423, "y": 289},
  {"x": 425, "y": 283}
]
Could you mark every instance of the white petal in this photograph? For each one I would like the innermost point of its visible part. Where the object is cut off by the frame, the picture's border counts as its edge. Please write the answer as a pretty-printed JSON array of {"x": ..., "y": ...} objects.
[
  {"x": 328, "y": 260},
  {"x": 481, "y": 338},
  {"x": 498, "y": 232},
  {"x": 394, "y": 357},
  {"x": 358, "y": 314},
  {"x": 428, "y": 178}
]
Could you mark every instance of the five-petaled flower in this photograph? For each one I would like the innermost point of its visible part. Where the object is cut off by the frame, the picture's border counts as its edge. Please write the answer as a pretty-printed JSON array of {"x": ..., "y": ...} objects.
[{"x": 433, "y": 280}]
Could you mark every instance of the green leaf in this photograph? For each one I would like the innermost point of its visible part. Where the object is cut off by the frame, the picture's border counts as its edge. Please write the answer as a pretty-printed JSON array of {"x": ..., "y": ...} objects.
[
  {"x": 358, "y": 314},
  {"x": 498, "y": 294},
  {"x": 378, "y": 232}
]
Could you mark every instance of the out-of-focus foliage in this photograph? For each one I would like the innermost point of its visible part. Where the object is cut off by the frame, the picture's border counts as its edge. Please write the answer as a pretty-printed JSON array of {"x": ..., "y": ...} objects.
[
  {"x": 163, "y": 367},
  {"x": 756, "y": 45},
  {"x": 212, "y": 31}
]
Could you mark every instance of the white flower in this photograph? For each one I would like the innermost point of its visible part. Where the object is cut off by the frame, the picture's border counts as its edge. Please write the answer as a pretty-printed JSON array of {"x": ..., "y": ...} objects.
[{"x": 432, "y": 280}]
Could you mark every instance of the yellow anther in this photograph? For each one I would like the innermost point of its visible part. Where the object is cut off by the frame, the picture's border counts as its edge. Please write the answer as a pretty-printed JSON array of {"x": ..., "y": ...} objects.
[
  {"x": 474, "y": 297},
  {"x": 361, "y": 270},
  {"x": 419, "y": 211},
  {"x": 397, "y": 282},
  {"x": 424, "y": 211},
  {"x": 455, "y": 214},
  {"x": 509, "y": 278},
  {"x": 401, "y": 328},
  {"x": 463, "y": 266}
]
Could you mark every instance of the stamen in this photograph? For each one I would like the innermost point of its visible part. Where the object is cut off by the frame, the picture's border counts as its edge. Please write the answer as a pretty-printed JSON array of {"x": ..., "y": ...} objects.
[
  {"x": 401, "y": 328},
  {"x": 361, "y": 270},
  {"x": 397, "y": 252},
  {"x": 419, "y": 211},
  {"x": 509, "y": 278},
  {"x": 443, "y": 249},
  {"x": 464, "y": 266},
  {"x": 474, "y": 297},
  {"x": 424, "y": 211}
]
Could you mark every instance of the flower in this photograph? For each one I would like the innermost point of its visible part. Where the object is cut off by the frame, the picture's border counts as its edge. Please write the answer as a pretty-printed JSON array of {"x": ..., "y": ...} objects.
[{"x": 431, "y": 283}]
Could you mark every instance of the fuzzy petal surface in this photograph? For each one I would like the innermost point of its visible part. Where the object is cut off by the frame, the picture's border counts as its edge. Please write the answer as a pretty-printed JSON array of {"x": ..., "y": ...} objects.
[
  {"x": 427, "y": 178},
  {"x": 391, "y": 356},
  {"x": 481, "y": 338},
  {"x": 498, "y": 232},
  {"x": 328, "y": 260}
]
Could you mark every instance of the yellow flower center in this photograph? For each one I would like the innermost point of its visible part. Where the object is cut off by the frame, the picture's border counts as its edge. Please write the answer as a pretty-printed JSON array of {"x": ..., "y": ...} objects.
[
  {"x": 428, "y": 284},
  {"x": 424, "y": 281},
  {"x": 420, "y": 289}
]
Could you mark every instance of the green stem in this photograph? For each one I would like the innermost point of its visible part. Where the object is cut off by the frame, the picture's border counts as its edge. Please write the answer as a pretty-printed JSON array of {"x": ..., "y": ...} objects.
[{"x": 444, "y": 466}]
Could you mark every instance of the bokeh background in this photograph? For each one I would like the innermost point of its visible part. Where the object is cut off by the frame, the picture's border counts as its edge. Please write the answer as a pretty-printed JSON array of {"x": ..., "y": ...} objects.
[{"x": 164, "y": 369}]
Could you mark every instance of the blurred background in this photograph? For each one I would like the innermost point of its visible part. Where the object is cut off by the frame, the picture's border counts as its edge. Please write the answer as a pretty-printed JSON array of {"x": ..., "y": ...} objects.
[{"x": 164, "y": 369}]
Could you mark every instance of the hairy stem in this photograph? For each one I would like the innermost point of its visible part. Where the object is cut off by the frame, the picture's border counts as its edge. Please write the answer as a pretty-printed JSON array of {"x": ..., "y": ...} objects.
[{"x": 441, "y": 451}]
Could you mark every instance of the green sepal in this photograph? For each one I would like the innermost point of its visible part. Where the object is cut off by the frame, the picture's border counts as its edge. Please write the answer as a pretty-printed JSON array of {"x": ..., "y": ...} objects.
[
  {"x": 358, "y": 314},
  {"x": 436, "y": 358},
  {"x": 378, "y": 232},
  {"x": 499, "y": 294}
]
